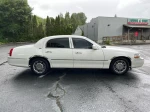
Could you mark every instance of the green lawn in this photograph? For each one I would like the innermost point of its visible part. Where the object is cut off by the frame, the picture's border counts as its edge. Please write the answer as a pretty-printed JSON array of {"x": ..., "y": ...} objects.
[{"x": 1, "y": 43}]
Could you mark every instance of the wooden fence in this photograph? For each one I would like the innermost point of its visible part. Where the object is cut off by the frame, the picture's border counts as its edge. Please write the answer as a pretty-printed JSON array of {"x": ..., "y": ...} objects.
[{"x": 124, "y": 39}]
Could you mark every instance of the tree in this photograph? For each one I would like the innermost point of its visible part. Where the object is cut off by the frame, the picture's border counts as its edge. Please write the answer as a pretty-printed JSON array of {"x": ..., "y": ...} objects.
[
  {"x": 48, "y": 26},
  {"x": 29, "y": 28},
  {"x": 35, "y": 27},
  {"x": 67, "y": 24},
  {"x": 67, "y": 17},
  {"x": 40, "y": 33},
  {"x": 2, "y": 1},
  {"x": 18, "y": 24},
  {"x": 52, "y": 26},
  {"x": 74, "y": 22},
  {"x": 62, "y": 24},
  {"x": 57, "y": 25},
  {"x": 14, "y": 19},
  {"x": 82, "y": 18},
  {"x": 77, "y": 19}
]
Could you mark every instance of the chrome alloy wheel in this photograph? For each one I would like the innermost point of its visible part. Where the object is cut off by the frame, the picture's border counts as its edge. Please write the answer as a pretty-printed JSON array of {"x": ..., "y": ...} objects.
[
  {"x": 120, "y": 66},
  {"x": 39, "y": 67}
]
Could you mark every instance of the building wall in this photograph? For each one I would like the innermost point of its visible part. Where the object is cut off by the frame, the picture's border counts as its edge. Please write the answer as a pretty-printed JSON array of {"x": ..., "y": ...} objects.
[
  {"x": 110, "y": 26},
  {"x": 78, "y": 31},
  {"x": 147, "y": 33},
  {"x": 91, "y": 29},
  {"x": 101, "y": 27}
]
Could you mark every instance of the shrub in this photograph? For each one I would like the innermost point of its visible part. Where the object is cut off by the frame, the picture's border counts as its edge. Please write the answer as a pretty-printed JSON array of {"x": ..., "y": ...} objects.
[{"x": 107, "y": 42}]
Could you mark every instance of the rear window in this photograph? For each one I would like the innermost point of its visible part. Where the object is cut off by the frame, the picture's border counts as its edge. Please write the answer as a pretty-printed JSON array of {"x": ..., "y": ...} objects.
[{"x": 58, "y": 43}]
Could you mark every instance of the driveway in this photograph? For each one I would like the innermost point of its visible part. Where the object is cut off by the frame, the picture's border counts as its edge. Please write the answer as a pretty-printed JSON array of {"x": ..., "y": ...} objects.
[{"x": 74, "y": 90}]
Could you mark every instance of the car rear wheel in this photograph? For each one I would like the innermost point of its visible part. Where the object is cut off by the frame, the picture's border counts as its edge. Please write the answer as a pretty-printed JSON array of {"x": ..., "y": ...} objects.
[
  {"x": 119, "y": 66},
  {"x": 40, "y": 66}
]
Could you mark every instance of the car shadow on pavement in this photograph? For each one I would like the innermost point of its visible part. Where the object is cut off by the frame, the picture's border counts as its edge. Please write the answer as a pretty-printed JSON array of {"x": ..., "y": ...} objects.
[{"x": 75, "y": 76}]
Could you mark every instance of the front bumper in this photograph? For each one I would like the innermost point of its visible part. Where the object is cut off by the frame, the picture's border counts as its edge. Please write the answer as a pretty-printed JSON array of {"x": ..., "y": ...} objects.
[{"x": 137, "y": 62}]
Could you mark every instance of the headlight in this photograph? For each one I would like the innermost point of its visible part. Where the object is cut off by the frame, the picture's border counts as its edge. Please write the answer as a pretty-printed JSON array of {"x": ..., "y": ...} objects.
[{"x": 136, "y": 55}]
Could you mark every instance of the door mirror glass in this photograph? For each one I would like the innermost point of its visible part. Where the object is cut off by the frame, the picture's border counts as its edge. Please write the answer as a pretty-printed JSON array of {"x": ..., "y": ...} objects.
[{"x": 94, "y": 47}]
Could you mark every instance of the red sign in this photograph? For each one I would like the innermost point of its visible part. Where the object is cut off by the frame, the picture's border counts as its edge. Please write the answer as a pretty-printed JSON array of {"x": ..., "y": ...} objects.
[{"x": 138, "y": 21}]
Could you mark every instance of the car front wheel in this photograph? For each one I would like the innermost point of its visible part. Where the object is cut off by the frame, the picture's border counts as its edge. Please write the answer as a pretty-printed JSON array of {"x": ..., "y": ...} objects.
[
  {"x": 119, "y": 66},
  {"x": 40, "y": 66}
]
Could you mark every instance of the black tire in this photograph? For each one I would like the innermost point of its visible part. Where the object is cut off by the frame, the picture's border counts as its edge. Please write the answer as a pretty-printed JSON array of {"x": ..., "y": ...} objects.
[
  {"x": 40, "y": 62},
  {"x": 123, "y": 65}
]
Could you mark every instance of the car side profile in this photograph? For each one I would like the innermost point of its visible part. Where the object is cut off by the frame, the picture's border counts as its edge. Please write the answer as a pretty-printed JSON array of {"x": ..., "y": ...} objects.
[{"x": 70, "y": 51}]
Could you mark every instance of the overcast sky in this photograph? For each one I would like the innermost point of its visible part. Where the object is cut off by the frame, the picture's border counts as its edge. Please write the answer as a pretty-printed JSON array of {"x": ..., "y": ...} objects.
[{"x": 92, "y": 8}]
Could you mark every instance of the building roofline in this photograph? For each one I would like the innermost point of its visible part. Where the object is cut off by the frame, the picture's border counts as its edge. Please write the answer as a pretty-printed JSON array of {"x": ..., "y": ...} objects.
[{"x": 118, "y": 17}]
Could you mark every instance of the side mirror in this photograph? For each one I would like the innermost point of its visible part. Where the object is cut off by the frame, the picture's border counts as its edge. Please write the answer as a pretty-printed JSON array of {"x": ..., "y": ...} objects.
[{"x": 94, "y": 47}]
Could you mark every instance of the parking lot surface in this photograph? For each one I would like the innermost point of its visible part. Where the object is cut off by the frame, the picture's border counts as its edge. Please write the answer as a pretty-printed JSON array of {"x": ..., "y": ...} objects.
[{"x": 74, "y": 90}]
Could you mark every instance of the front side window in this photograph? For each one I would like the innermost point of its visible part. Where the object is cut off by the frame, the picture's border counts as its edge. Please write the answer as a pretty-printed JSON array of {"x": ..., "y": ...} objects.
[
  {"x": 58, "y": 43},
  {"x": 81, "y": 43}
]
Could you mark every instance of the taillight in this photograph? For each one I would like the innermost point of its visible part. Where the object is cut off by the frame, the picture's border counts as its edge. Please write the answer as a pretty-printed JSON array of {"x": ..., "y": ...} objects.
[{"x": 10, "y": 52}]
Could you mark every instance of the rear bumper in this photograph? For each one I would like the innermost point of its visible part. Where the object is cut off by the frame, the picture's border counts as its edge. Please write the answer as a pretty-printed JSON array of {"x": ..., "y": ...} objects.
[
  {"x": 20, "y": 62},
  {"x": 137, "y": 62}
]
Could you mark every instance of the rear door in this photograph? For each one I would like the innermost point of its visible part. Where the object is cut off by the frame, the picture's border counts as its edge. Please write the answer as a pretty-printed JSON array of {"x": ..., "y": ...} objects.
[{"x": 59, "y": 53}]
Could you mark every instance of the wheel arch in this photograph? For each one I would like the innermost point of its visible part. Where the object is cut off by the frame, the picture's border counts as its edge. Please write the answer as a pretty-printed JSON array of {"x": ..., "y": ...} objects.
[
  {"x": 38, "y": 56},
  {"x": 121, "y": 57}
]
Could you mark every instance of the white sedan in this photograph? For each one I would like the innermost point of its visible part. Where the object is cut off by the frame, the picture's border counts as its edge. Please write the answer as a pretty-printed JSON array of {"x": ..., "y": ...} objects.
[{"x": 70, "y": 51}]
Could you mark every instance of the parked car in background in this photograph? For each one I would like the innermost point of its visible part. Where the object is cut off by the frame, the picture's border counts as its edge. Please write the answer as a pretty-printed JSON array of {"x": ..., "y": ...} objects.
[{"x": 70, "y": 51}]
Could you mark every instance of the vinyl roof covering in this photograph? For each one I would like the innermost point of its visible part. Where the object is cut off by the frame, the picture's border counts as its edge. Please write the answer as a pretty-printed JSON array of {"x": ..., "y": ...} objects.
[{"x": 137, "y": 26}]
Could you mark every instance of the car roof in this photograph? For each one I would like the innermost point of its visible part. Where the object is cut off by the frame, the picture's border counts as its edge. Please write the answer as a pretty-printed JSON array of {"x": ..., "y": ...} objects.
[
  {"x": 40, "y": 42},
  {"x": 62, "y": 36}
]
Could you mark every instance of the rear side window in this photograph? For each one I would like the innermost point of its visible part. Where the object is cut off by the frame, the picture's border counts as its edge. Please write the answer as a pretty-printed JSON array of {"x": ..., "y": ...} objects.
[
  {"x": 81, "y": 43},
  {"x": 58, "y": 43}
]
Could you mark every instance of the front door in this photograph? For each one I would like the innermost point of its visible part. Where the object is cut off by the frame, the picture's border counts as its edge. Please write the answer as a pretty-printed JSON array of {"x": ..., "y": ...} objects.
[
  {"x": 86, "y": 57},
  {"x": 59, "y": 53}
]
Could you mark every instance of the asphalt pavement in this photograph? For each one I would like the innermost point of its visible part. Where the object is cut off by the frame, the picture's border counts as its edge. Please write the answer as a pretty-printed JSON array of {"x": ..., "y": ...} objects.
[{"x": 74, "y": 90}]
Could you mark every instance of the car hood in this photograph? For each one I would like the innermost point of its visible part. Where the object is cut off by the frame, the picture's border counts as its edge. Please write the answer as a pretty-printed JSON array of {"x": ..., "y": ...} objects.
[
  {"x": 120, "y": 49},
  {"x": 111, "y": 52}
]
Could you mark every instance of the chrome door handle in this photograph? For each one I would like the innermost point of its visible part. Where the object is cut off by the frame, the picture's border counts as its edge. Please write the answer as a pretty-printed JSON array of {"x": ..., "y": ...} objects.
[
  {"x": 48, "y": 52},
  {"x": 78, "y": 52}
]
